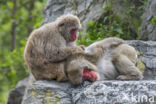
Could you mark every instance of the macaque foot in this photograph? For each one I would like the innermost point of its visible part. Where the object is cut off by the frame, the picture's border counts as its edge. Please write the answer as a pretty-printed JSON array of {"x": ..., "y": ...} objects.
[
  {"x": 129, "y": 77},
  {"x": 122, "y": 77}
]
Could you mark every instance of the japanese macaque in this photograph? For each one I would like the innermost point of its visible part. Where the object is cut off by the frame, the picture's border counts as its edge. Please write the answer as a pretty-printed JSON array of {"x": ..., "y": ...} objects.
[
  {"x": 50, "y": 45},
  {"x": 108, "y": 59}
]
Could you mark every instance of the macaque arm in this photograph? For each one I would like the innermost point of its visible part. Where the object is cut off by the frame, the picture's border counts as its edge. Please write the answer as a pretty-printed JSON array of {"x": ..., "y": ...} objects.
[
  {"x": 59, "y": 54},
  {"x": 111, "y": 42},
  {"x": 92, "y": 57}
]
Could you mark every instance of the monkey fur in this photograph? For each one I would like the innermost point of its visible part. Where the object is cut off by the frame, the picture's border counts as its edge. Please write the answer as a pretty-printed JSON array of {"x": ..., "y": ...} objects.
[
  {"x": 110, "y": 59},
  {"x": 50, "y": 45}
]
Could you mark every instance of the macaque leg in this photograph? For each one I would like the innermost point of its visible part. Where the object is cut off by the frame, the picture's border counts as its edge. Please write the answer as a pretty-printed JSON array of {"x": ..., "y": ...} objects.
[{"x": 126, "y": 69}]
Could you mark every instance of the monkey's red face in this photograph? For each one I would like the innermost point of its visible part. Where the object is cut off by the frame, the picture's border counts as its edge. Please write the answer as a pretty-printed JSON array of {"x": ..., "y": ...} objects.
[
  {"x": 89, "y": 75},
  {"x": 73, "y": 34}
]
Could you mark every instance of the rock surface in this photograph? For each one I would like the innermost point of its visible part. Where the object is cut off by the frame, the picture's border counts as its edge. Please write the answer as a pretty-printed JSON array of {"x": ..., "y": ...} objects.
[
  {"x": 100, "y": 92},
  {"x": 86, "y": 10},
  {"x": 148, "y": 30},
  {"x": 16, "y": 94}
]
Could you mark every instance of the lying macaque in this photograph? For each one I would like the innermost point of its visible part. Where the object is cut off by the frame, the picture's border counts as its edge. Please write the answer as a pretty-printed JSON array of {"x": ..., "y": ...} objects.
[{"x": 108, "y": 59}]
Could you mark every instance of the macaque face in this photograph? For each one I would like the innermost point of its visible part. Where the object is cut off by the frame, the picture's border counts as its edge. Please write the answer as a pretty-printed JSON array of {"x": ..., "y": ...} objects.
[
  {"x": 68, "y": 26},
  {"x": 70, "y": 33},
  {"x": 78, "y": 76},
  {"x": 89, "y": 75}
]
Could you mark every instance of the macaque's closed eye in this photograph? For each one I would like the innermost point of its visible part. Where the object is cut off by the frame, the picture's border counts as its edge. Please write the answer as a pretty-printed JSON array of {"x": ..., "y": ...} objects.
[
  {"x": 44, "y": 42},
  {"x": 61, "y": 24}
]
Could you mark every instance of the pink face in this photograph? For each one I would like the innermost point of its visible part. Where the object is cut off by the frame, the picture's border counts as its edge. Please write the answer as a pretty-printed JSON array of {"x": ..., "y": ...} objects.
[
  {"x": 73, "y": 34},
  {"x": 89, "y": 75}
]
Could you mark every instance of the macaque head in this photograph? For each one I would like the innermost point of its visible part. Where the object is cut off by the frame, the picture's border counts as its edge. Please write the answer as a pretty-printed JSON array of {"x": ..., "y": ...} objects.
[
  {"x": 79, "y": 71},
  {"x": 69, "y": 26},
  {"x": 78, "y": 76}
]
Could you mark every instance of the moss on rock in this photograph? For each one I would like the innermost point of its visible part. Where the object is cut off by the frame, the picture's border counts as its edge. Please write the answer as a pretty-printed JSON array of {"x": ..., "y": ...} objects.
[{"x": 141, "y": 65}]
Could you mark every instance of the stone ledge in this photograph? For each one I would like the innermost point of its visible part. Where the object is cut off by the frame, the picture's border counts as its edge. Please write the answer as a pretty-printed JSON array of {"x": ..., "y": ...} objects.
[{"x": 99, "y": 92}]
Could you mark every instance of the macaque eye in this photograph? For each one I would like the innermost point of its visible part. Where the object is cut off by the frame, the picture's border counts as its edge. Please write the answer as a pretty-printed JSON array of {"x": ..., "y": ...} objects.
[
  {"x": 61, "y": 24},
  {"x": 74, "y": 29}
]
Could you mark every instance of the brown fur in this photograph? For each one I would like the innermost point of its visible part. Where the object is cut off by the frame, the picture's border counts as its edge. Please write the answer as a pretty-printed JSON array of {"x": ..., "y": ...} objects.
[
  {"x": 98, "y": 50},
  {"x": 125, "y": 59},
  {"x": 89, "y": 60},
  {"x": 122, "y": 59},
  {"x": 49, "y": 46},
  {"x": 74, "y": 69}
]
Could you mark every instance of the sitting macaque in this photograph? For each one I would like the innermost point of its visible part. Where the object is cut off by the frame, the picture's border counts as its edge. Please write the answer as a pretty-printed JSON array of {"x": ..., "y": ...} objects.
[
  {"x": 107, "y": 59},
  {"x": 50, "y": 45}
]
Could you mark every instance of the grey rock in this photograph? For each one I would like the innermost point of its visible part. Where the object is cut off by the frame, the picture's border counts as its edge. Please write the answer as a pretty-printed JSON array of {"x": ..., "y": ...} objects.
[
  {"x": 54, "y": 9},
  {"x": 53, "y": 92},
  {"x": 86, "y": 10},
  {"x": 99, "y": 92},
  {"x": 16, "y": 94},
  {"x": 148, "y": 31}
]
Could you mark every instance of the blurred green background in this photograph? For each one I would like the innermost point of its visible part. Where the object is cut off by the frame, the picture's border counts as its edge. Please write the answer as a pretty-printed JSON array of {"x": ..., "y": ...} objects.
[{"x": 19, "y": 17}]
